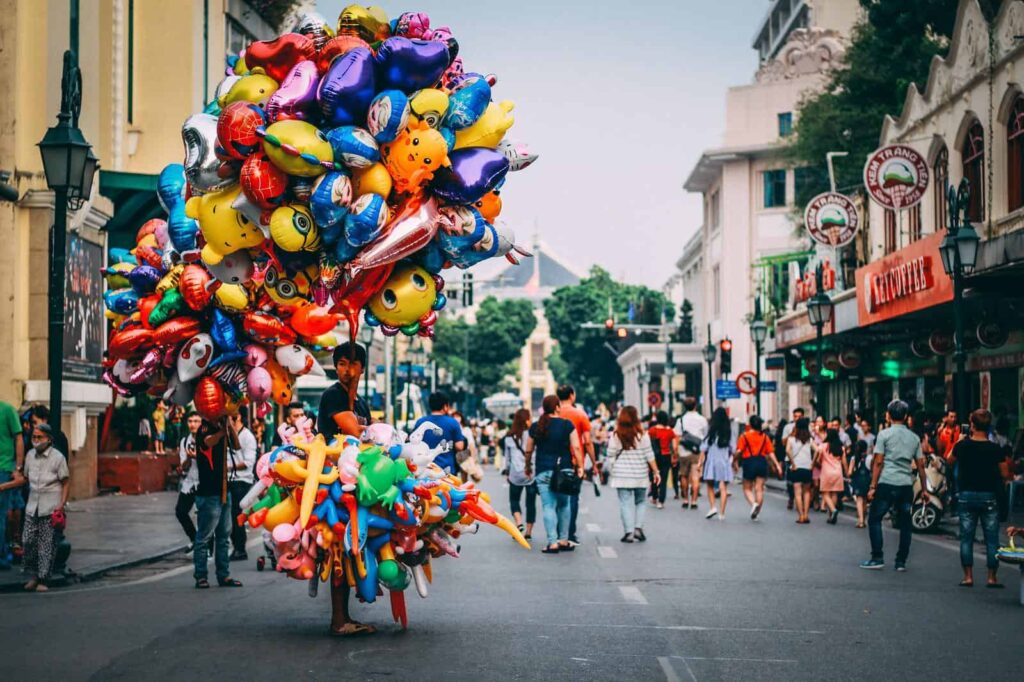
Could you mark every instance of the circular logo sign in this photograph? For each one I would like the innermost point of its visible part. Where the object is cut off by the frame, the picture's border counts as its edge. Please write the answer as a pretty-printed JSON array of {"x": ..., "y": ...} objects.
[
  {"x": 896, "y": 176},
  {"x": 831, "y": 219},
  {"x": 746, "y": 382},
  {"x": 654, "y": 399}
]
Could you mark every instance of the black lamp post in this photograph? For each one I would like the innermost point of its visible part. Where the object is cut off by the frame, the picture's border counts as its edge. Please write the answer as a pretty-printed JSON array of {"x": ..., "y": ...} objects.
[
  {"x": 643, "y": 378},
  {"x": 70, "y": 166},
  {"x": 758, "y": 332},
  {"x": 710, "y": 351},
  {"x": 959, "y": 251},
  {"x": 819, "y": 311}
]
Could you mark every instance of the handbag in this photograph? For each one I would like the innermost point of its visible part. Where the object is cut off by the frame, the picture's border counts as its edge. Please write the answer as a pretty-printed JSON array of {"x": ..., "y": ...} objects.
[
  {"x": 566, "y": 481},
  {"x": 691, "y": 442}
]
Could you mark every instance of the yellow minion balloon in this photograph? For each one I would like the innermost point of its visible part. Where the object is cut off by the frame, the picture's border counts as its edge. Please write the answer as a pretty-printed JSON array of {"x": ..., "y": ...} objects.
[
  {"x": 429, "y": 105},
  {"x": 292, "y": 228}
]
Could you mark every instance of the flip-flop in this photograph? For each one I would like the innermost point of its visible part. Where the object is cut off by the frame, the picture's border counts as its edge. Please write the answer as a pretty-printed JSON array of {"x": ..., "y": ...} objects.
[
  {"x": 229, "y": 582},
  {"x": 353, "y": 630},
  {"x": 202, "y": 584},
  {"x": 994, "y": 586},
  {"x": 964, "y": 583},
  {"x": 548, "y": 550}
]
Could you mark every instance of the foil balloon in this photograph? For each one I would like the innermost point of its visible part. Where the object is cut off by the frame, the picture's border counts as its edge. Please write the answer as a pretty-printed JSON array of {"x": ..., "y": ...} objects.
[
  {"x": 429, "y": 105},
  {"x": 517, "y": 153},
  {"x": 255, "y": 355},
  {"x": 298, "y": 361},
  {"x": 209, "y": 399},
  {"x": 267, "y": 328},
  {"x": 277, "y": 57},
  {"x": 288, "y": 288},
  {"x": 347, "y": 88},
  {"x": 236, "y": 129},
  {"x": 202, "y": 167},
  {"x": 355, "y": 147},
  {"x": 366, "y": 219},
  {"x": 263, "y": 183},
  {"x": 297, "y": 147},
  {"x": 414, "y": 156},
  {"x": 234, "y": 297},
  {"x": 144, "y": 279},
  {"x": 411, "y": 25},
  {"x": 194, "y": 285},
  {"x": 121, "y": 301},
  {"x": 236, "y": 268},
  {"x": 489, "y": 128},
  {"x": 472, "y": 173},
  {"x": 369, "y": 23},
  {"x": 312, "y": 320},
  {"x": 507, "y": 246},
  {"x": 131, "y": 342},
  {"x": 223, "y": 88},
  {"x": 280, "y": 383},
  {"x": 407, "y": 302},
  {"x": 148, "y": 228},
  {"x": 296, "y": 98},
  {"x": 351, "y": 298},
  {"x": 146, "y": 305},
  {"x": 224, "y": 227},
  {"x": 330, "y": 201},
  {"x": 335, "y": 47},
  {"x": 489, "y": 205},
  {"x": 223, "y": 333},
  {"x": 170, "y": 304},
  {"x": 194, "y": 357},
  {"x": 389, "y": 114},
  {"x": 410, "y": 65},
  {"x": 170, "y": 190},
  {"x": 256, "y": 88},
  {"x": 258, "y": 383},
  {"x": 178, "y": 392},
  {"x": 410, "y": 230},
  {"x": 315, "y": 27},
  {"x": 173, "y": 332},
  {"x": 468, "y": 104},
  {"x": 292, "y": 229},
  {"x": 372, "y": 180}
]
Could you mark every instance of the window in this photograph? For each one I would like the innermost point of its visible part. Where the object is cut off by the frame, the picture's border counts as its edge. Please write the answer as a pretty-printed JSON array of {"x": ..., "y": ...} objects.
[
  {"x": 940, "y": 185},
  {"x": 1015, "y": 156},
  {"x": 714, "y": 210},
  {"x": 716, "y": 290},
  {"x": 236, "y": 38},
  {"x": 785, "y": 123},
  {"x": 537, "y": 356},
  {"x": 774, "y": 188},
  {"x": 896, "y": 224},
  {"x": 913, "y": 223},
  {"x": 973, "y": 153},
  {"x": 890, "y": 231}
]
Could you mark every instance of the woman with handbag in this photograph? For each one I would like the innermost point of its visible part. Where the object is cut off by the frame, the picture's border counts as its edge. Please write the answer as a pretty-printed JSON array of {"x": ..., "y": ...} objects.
[
  {"x": 631, "y": 457},
  {"x": 559, "y": 467},
  {"x": 46, "y": 472},
  {"x": 518, "y": 480}
]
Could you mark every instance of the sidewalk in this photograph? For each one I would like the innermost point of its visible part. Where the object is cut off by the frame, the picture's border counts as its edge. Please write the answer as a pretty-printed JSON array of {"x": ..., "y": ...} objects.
[{"x": 114, "y": 531}]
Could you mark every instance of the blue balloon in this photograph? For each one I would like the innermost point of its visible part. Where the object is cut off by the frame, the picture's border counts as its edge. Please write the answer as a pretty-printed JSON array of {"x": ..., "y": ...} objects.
[
  {"x": 431, "y": 258},
  {"x": 355, "y": 147},
  {"x": 449, "y": 137},
  {"x": 225, "y": 337},
  {"x": 410, "y": 65},
  {"x": 346, "y": 89},
  {"x": 119, "y": 255},
  {"x": 366, "y": 220},
  {"x": 121, "y": 301},
  {"x": 468, "y": 104},
  {"x": 144, "y": 279},
  {"x": 474, "y": 172},
  {"x": 458, "y": 247},
  {"x": 329, "y": 203},
  {"x": 344, "y": 252},
  {"x": 389, "y": 114},
  {"x": 170, "y": 190}
]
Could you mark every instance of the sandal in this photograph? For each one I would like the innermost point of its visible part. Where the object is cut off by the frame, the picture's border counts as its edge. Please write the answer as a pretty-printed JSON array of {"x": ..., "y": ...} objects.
[
  {"x": 964, "y": 583},
  {"x": 638, "y": 533},
  {"x": 551, "y": 550},
  {"x": 202, "y": 584},
  {"x": 31, "y": 585},
  {"x": 229, "y": 582},
  {"x": 566, "y": 548},
  {"x": 353, "y": 629},
  {"x": 989, "y": 586}
]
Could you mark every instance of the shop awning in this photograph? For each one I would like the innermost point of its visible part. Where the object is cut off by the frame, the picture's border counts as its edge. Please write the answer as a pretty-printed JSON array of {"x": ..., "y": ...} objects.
[{"x": 135, "y": 202}]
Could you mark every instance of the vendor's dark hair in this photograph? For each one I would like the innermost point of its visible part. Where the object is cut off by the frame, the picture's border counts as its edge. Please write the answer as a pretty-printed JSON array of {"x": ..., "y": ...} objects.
[
  {"x": 350, "y": 351},
  {"x": 548, "y": 407},
  {"x": 438, "y": 400}
]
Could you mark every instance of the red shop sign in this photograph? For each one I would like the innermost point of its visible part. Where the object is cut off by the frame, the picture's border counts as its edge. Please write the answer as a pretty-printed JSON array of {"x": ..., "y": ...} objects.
[{"x": 903, "y": 282}]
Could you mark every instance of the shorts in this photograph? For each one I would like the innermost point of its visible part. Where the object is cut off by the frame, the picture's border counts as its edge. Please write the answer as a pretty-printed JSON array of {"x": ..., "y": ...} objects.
[
  {"x": 754, "y": 467},
  {"x": 159, "y": 436},
  {"x": 799, "y": 476},
  {"x": 687, "y": 463}
]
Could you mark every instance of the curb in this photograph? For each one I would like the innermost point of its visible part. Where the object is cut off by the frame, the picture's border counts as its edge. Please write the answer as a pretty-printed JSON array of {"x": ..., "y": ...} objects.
[{"x": 96, "y": 572}]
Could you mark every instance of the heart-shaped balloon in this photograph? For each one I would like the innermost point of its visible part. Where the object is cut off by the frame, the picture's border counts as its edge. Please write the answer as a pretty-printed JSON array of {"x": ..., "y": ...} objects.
[
  {"x": 335, "y": 47},
  {"x": 474, "y": 171},
  {"x": 209, "y": 399},
  {"x": 194, "y": 285},
  {"x": 194, "y": 357},
  {"x": 312, "y": 320},
  {"x": 296, "y": 98},
  {"x": 347, "y": 88},
  {"x": 277, "y": 57},
  {"x": 409, "y": 65},
  {"x": 131, "y": 342}
]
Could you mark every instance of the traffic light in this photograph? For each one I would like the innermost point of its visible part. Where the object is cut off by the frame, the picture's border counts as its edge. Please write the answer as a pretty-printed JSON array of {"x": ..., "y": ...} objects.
[
  {"x": 725, "y": 348},
  {"x": 609, "y": 324}
]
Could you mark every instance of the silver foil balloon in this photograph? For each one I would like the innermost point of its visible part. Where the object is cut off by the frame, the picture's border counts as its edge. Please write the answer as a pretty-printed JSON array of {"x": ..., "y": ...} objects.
[
  {"x": 202, "y": 167},
  {"x": 407, "y": 233}
]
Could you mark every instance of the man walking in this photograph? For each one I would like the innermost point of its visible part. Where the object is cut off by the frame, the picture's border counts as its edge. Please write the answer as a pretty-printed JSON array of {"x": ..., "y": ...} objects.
[
  {"x": 692, "y": 429},
  {"x": 241, "y": 477},
  {"x": 451, "y": 438},
  {"x": 213, "y": 501},
  {"x": 12, "y": 463},
  {"x": 189, "y": 480},
  {"x": 292, "y": 414},
  {"x": 581, "y": 422},
  {"x": 892, "y": 484}
]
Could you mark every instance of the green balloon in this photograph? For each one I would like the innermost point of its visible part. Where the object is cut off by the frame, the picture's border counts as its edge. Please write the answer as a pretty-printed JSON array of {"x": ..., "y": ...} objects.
[
  {"x": 411, "y": 329},
  {"x": 170, "y": 305}
]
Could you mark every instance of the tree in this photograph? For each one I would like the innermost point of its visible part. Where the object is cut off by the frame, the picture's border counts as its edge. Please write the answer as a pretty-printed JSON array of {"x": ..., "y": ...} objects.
[
  {"x": 685, "y": 331},
  {"x": 484, "y": 353},
  {"x": 590, "y": 365}
]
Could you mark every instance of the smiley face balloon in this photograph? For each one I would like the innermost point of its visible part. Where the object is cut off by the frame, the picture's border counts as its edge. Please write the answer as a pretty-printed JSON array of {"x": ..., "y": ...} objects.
[{"x": 406, "y": 297}]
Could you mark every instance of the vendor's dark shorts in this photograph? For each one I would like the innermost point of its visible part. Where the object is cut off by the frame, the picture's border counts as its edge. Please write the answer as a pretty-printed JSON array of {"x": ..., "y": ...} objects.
[
  {"x": 799, "y": 476},
  {"x": 754, "y": 468}
]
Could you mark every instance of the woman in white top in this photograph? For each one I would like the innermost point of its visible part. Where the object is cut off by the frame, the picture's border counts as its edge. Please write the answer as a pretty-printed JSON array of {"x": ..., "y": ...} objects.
[
  {"x": 630, "y": 456},
  {"x": 189, "y": 477},
  {"x": 518, "y": 479},
  {"x": 800, "y": 454}
]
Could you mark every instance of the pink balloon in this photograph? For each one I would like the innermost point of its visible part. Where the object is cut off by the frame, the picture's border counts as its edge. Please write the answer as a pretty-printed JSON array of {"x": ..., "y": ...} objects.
[
  {"x": 256, "y": 355},
  {"x": 259, "y": 384},
  {"x": 410, "y": 230},
  {"x": 297, "y": 95}
]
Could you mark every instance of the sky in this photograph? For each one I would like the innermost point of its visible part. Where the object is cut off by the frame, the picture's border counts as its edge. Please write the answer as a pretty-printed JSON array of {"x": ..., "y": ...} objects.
[{"x": 618, "y": 99}]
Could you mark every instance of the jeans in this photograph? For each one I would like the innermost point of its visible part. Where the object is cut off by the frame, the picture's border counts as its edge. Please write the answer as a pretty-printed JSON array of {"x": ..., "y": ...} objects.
[
  {"x": 214, "y": 521},
  {"x": 515, "y": 493},
  {"x": 5, "y": 505},
  {"x": 974, "y": 506},
  {"x": 664, "y": 464},
  {"x": 901, "y": 499},
  {"x": 238, "y": 490},
  {"x": 182, "y": 511},
  {"x": 632, "y": 506},
  {"x": 574, "y": 511},
  {"x": 555, "y": 508}
]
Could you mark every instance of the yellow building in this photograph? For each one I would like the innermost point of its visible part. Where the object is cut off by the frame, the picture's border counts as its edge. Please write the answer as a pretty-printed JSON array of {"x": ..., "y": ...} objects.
[{"x": 146, "y": 66}]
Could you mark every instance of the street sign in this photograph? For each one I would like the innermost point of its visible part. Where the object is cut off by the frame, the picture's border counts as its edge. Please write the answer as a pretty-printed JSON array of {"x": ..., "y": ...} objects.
[
  {"x": 769, "y": 386},
  {"x": 654, "y": 399},
  {"x": 726, "y": 389},
  {"x": 831, "y": 219},
  {"x": 775, "y": 362},
  {"x": 896, "y": 176},
  {"x": 746, "y": 382}
]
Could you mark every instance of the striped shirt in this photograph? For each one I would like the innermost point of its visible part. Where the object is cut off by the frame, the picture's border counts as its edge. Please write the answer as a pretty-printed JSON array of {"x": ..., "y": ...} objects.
[{"x": 629, "y": 469}]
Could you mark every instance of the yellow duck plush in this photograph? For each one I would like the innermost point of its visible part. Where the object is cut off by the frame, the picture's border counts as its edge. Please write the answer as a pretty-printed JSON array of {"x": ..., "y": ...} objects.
[{"x": 224, "y": 228}]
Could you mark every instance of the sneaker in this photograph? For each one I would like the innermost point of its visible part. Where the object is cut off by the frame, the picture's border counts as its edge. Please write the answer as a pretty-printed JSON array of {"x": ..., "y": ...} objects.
[
  {"x": 191, "y": 548},
  {"x": 721, "y": 517},
  {"x": 711, "y": 513},
  {"x": 873, "y": 564},
  {"x": 754, "y": 511},
  {"x": 239, "y": 556},
  {"x": 901, "y": 566},
  {"x": 660, "y": 505},
  {"x": 574, "y": 541},
  {"x": 628, "y": 537}
]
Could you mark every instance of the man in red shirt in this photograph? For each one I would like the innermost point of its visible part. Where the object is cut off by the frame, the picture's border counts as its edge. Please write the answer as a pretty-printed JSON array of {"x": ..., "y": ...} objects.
[
  {"x": 568, "y": 410},
  {"x": 666, "y": 450},
  {"x": 753, "y": 452}
]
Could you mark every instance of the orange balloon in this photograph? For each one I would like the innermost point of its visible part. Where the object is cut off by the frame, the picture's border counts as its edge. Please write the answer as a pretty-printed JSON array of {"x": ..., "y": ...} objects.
[
  {"x": 146, "y": 305},
  {"x": 194, "y": 285},
  {"x": 149, "y": 227},
  {"x": 312, "y": 320},
  {"x": 335, "y": 47},
  {"x": 489, "y": 206},
  {"x": 173, "y": 332},
  {"x": 280, "y": 382}
]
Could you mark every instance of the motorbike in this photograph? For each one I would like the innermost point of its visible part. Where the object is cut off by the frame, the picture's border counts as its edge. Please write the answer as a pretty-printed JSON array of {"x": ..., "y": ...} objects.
[{"x": 926, "y": 517}]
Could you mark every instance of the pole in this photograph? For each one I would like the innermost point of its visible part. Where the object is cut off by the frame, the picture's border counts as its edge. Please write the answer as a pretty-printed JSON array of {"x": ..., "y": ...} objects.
[
  {"x": 58, "y": 260},
  {"x": 670, "y": 370},
  {"x": 389, "y": 409},
  {"x": 711, "y": 386},
  {"x": 960, "y": 375},
  {"x": 819, "y": 384},
  {"x": 366, "y": 380},
  {"x": 757, "y": 375}
]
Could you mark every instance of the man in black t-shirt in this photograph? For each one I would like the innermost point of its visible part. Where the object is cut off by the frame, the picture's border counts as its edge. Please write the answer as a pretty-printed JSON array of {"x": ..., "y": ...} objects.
[{"x": 213, "y": 501}]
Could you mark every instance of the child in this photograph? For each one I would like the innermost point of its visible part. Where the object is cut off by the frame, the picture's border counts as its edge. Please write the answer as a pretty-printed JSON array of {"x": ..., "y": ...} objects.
[{"x": 159, "y": 424}]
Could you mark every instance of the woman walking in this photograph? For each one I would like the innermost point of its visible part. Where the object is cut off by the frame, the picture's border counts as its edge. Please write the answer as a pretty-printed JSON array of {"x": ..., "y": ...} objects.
[
  {"x": 860, "y": 478},
  {"x": 716, "y": 453},
  {"x": 631, "y": 457},
  {"x": 799, "y": 453},
  {"x": 830, "y": 459},
  {"x": 46, "y": 472},
  {"x": 518, "y": 481},
  {"x": 755, "y": 451},
  {"x": 557, "y": 447}
]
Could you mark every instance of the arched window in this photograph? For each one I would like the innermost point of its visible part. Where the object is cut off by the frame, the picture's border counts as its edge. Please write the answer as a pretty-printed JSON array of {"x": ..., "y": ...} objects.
[
  {"x": 940, "y": 172},
  {"x": 973, "y": 152},
  {"x": 1015, "y": 155}
]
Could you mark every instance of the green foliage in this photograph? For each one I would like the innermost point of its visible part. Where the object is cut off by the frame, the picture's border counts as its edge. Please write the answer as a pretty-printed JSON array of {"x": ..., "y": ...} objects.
[
  {"x": 484, "y": 353},
  {"x": 685, "y": 332},
  {"x": 591, "y": 367}
]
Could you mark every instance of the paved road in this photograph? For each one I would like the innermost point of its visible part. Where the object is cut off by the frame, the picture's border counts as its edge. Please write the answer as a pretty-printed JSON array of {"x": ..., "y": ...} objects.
[{"x": 701, "y": 600}]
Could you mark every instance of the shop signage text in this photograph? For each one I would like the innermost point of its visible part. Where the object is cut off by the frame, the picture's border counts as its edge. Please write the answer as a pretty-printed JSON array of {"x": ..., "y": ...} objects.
[
  {"x": 896, "y": 176},
  {"x": 831, "y": 219},
  {"x": 806, "y": 286},
  {"x": 903, "y": 282},
  {"x": 897, "y": 282}
]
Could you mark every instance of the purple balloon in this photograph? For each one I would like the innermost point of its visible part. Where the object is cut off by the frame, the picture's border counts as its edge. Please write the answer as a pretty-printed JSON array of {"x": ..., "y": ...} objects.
[
  {"x": 410, "y": 65},
  {"x": 144, "y": 279},
  {"x": 474, "y": 172},
  {"x": 297, "y": 95},
  {"x": 347, "y": 88}
]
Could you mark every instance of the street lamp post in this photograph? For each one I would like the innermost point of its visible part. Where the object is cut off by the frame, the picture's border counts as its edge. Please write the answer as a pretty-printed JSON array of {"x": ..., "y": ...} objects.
[
  {"x": 710, "y": 351},
  {"x": 643, "y": 377},
  {"x": 959, "y": 251},
  {"x": 758, "y": 332},
  {"x": 819, "y": 311},
  {"x": 366, "y": 337},
  {"x": 70, "y": 166},
  {"x": 665, "y": 336}
]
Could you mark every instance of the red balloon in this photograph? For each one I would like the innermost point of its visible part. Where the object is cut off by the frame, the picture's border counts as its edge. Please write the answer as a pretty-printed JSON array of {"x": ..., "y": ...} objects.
[
  {"x": 131, "y": 342},
  {"x": 147, "y": 255},
  {"x": 335, "y": 47},
  {"x": 277, "y": 57},
  {"x": 351, "y": 298},
  {"x": 173, "y": 332},
  {"x": 236, "y": 129},
  {"x": 209, "y": 399},
  {"x": 312, "y": 320},
  {"x": 149, "y": 227},
  {"x": 146, "y": 305},
  {"x": 195, "y": 286},
  {"x": 267, "y": 328},
  {"x": 263, "y": 183}
]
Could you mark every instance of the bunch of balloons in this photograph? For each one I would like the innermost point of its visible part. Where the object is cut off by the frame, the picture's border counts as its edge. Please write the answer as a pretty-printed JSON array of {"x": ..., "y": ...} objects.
[
  {"x": 337, "y": 171},
  {"x": 370, "y": 508}
]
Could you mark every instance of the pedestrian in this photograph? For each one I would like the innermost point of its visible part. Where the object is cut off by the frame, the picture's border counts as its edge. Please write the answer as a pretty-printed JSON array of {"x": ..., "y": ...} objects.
[
  {"x": 716, "y": 456},
  {"x": 213, "y": 501},
  {"x": 466, "y": 458},
  {"x": 518, "y": 480},
  {"x": 159, "y": 426},
  {"x": 146, "y": 432},
  {"x": 46, "y": 473},
  {"x": 293, "y": 413},
  {"x": 800, "y": 455},
  {"x": 188, "y": 479},
  {"x": 831, "y": 461},
  {"x": 787, "y": 434},
  {"x": 451, "y": 440},
  {"x": 818, "y": 434},
  {"x": 755, "y": 452},
  {"x": 980, "y": 483},
  {"x": 552, "y": 443},
  {"x": 892, "y": 484},
  {"x": 665, "y": 444},
  {"x": 859, "y": 472},
  {"x": 12, "y": 467},
  {"x": 631, "y": 458},
  {"x": 692, "y": 429},
  {"x": 584, "y": 430},
  {"x": 241, "y": 477},
  {"x": 259, "y": 432}
]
